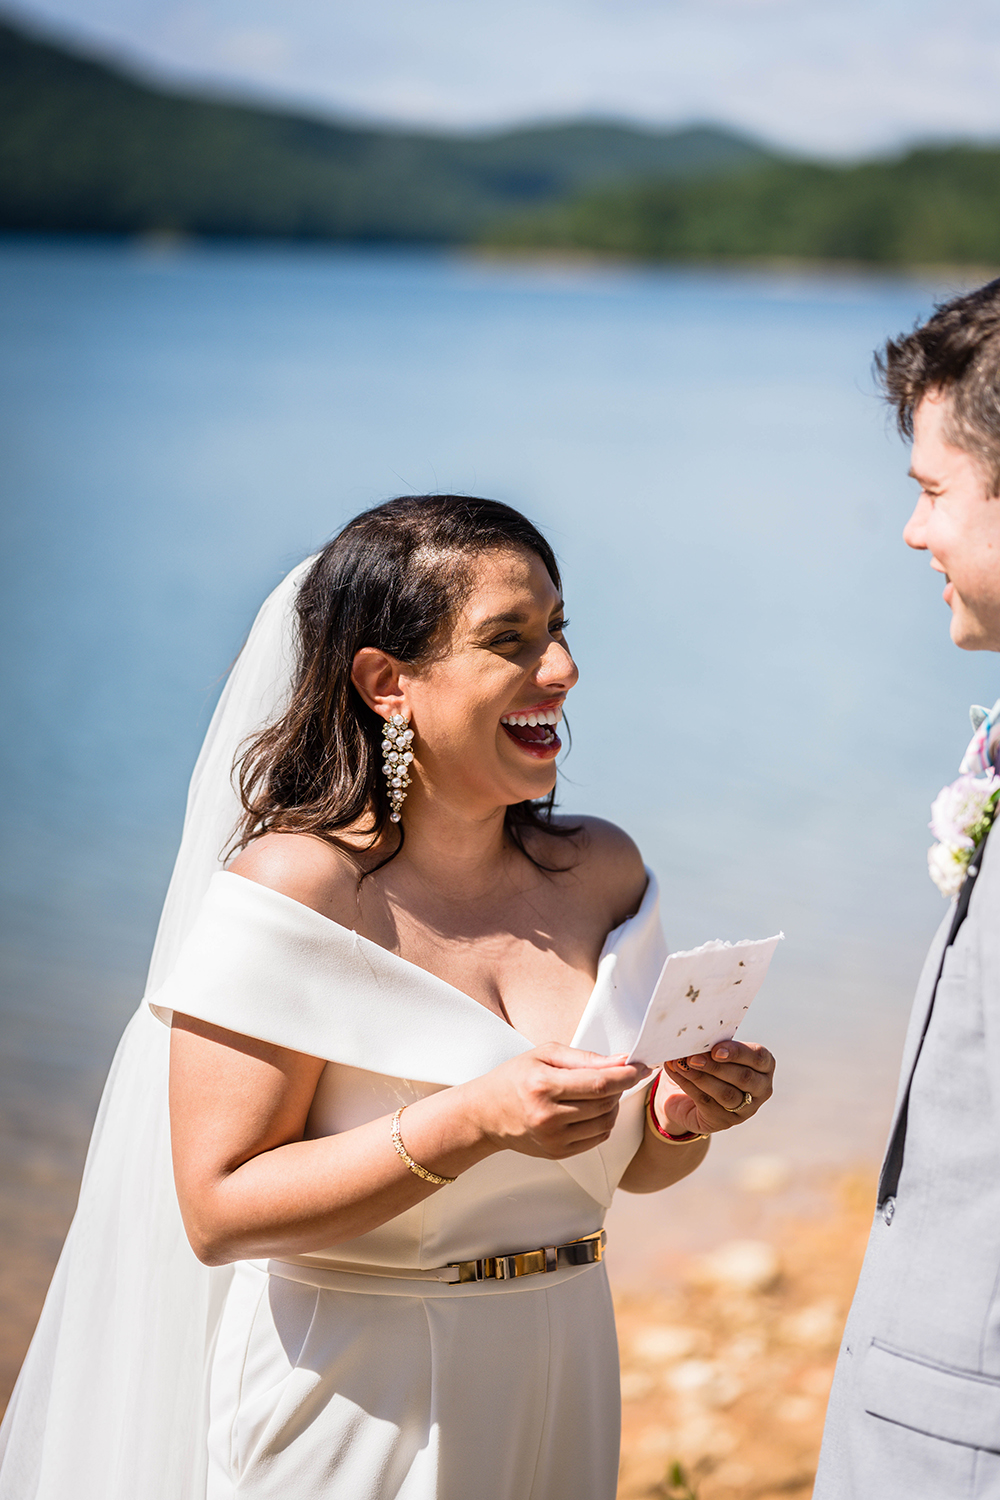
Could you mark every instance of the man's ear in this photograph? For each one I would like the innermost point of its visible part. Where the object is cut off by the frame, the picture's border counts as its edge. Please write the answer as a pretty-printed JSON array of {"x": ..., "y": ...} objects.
[{"x": 375, "y": 674}]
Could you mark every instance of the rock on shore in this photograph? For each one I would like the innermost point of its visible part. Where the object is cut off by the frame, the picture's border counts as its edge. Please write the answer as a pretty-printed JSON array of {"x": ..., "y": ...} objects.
[{"x": 725, "y": 1376}]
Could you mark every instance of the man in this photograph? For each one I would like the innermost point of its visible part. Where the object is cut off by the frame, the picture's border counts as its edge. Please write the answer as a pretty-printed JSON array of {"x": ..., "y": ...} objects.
[{"x": 915, "y": 1407}]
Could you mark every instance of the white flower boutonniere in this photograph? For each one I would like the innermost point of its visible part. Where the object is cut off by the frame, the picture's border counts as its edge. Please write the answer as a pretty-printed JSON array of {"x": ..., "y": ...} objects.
[
  {"x": 963, "y": 813},
  {"x": 961, "y": 817}
]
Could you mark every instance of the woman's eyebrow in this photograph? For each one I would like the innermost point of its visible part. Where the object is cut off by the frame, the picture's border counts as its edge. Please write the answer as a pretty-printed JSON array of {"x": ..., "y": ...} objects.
[{"x": 516, "y": 617}]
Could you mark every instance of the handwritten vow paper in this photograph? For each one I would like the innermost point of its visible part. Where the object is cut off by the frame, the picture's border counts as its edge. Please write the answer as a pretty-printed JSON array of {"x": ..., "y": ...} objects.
[{"x": 701, "y": 997}]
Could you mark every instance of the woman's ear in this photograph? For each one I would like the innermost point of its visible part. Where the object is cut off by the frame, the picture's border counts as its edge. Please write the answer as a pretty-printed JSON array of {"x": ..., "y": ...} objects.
[{"x": 376, "y": 677}]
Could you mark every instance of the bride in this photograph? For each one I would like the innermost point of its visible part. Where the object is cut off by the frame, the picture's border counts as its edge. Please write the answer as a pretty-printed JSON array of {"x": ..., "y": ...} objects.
[{"x": 398, "y": 1097}]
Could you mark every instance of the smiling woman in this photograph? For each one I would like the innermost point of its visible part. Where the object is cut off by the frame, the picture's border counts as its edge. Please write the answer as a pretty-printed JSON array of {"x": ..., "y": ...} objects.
[
  {"x": 463, "y": 598},
  {"x": 398, "y": 1096}
]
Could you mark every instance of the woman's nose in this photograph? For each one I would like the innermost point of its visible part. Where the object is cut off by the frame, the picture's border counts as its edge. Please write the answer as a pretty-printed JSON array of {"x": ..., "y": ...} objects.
[{"x": 557, "y": 668}]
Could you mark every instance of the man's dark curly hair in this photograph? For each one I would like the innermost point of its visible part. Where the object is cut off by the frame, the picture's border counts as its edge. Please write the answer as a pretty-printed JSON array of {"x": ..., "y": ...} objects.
[{"x": 956, "y": 352}]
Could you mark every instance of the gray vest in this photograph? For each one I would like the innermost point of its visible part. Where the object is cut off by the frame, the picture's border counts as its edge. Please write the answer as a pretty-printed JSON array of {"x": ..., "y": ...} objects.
[{"x": 915, "y": 1406}]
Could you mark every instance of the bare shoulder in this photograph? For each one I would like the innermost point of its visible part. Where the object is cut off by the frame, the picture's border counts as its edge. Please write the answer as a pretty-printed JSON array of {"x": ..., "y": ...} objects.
[
  {"x": 307, "y": 869},
  {"x": 606, "y": 862}
]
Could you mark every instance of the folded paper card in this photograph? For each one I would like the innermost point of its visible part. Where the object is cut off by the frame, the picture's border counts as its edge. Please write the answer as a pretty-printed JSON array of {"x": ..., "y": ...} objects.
[{"x": 700, "y": 998}]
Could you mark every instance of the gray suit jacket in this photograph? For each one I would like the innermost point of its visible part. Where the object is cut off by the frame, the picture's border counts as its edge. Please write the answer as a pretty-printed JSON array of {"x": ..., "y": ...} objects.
[{"x": 915, "y": 1406}]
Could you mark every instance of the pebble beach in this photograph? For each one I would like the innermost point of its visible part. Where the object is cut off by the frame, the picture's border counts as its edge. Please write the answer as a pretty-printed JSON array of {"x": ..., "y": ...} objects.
[{"x": 726, "y": 1370}]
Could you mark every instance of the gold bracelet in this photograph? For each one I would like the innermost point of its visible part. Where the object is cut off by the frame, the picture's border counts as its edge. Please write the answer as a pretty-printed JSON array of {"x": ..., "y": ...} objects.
[
  {"x": 688, "y": 1139},
  {"x": 414, "y": 1166}
]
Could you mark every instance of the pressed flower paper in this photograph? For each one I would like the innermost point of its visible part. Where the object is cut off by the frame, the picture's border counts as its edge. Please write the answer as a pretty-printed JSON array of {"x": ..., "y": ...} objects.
[{"x": 701, "y": 997}]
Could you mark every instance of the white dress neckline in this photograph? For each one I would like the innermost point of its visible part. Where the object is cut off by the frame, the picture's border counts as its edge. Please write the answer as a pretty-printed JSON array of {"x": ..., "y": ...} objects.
[
  {"x": 386, "y": 954},
  {"x": 261, "y": 964}
]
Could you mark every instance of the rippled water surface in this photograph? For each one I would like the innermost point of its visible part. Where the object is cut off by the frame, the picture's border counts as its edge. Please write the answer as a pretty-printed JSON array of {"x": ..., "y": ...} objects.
[{"x": 768, "y": 699}]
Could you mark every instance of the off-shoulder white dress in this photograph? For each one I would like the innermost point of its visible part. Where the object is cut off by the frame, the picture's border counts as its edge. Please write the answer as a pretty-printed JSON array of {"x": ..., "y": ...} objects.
[{"x": 385, "y": 1383}]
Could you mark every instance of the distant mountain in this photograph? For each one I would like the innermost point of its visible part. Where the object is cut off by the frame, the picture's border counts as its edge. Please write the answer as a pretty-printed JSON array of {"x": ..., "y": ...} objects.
[
  {"x": 934, "y": 206},
  {"x": 86, "y": 147}
]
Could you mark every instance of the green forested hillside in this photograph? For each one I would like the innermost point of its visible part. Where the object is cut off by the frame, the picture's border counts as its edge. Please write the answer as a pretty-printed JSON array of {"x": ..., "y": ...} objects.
[
  {"x": 932, "y": 206},
  {"x": 86, "y": 147},
  {"x": 83, "y": 146}
]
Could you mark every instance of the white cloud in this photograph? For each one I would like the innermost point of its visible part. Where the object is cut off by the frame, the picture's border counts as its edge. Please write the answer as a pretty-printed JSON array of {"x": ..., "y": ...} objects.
[{"x": 257, "y": 49}]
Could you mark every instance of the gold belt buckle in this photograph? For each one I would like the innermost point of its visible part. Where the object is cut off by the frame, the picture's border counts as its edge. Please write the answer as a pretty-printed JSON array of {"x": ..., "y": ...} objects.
[{"x": 529, "y": 1262}]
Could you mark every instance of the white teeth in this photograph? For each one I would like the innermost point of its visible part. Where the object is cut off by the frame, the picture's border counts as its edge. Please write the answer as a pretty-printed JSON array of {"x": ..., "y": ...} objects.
[{"x": 550, "y": 716}]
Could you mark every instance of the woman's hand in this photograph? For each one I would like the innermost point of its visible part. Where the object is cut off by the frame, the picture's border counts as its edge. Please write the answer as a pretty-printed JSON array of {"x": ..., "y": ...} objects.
[
  {"x": 552, "y": 1102},
  {"x": 715, "y": 1086}
]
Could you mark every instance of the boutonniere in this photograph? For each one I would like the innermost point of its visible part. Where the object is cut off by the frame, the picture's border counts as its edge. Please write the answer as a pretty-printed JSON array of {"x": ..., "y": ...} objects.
[{"x": 962, "y": 813}]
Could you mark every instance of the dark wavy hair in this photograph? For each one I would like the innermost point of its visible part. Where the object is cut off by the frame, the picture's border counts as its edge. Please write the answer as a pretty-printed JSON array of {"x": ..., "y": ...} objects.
[
  {"x": 956, "y": 352},
  {"x": 393, "y": 579}
]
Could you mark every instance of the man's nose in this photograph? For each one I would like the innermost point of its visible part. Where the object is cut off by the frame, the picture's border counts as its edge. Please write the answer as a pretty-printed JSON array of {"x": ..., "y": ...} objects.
[{"x": 913, "y": 531}]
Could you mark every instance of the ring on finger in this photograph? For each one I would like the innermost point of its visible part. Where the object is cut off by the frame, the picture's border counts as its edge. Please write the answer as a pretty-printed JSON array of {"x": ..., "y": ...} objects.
[{"x": 735, "y": 1109}]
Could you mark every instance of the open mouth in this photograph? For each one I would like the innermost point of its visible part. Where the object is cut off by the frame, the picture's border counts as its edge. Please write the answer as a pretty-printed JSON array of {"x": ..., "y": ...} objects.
[{"x": 535, "y": 731}]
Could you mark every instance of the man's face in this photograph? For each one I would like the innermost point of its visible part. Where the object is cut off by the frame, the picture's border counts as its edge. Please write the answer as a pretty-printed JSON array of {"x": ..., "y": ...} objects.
[{"x": 958, "y": 523}]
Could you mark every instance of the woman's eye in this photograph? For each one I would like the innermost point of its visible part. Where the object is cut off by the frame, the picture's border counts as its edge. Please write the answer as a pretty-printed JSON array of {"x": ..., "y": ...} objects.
[{"x": 515, "y": 638}]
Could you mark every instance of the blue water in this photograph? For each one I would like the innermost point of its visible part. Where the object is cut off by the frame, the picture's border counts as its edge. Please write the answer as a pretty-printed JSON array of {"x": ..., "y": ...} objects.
[{"x": 769, "y": 699}]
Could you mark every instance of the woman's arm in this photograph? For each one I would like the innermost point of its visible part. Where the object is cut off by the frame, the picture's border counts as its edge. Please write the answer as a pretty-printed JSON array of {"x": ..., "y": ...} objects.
[
  {"x": 707, "y": 1098},
  {"x": 250, "y": 1187}
]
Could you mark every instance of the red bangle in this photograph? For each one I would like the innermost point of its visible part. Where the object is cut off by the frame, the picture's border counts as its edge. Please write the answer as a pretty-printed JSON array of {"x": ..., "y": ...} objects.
[{"x": 675, "y": 1140}]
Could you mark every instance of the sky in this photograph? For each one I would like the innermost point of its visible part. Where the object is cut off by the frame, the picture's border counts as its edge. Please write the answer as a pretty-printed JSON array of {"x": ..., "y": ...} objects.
[{"x": 840, "y": 78}]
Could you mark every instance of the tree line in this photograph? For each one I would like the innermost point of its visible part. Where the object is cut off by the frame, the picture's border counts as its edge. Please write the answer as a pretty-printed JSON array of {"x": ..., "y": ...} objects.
[{"x": 933, "y": 206}]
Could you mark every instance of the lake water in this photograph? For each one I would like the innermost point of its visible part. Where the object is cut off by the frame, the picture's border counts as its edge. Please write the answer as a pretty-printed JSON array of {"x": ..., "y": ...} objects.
[{"x": 768, "y": 702}]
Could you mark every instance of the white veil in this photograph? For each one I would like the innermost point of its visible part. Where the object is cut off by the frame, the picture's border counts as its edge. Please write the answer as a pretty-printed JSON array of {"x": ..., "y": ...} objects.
[{"x": 111, "y": 1403}]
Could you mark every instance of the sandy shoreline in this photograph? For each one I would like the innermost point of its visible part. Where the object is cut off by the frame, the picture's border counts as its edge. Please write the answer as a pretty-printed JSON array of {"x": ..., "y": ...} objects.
[{"x": 726, "y": 1372}]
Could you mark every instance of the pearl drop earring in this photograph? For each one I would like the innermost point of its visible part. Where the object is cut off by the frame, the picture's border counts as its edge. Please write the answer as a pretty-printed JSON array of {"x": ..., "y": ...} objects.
[{"x": 397, "y": 757}]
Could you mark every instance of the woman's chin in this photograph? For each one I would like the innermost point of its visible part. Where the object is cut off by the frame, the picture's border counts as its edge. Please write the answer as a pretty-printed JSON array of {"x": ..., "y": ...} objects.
[
  {"x": 532, "y": 788},
  {"x": 530, "y": 754}
]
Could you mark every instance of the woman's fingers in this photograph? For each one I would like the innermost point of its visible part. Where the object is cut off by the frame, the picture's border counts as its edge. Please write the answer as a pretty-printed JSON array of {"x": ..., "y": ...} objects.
[
  {"x": 584, "y": 1109},
  {"x": 723, "y": 1079},
  {"x": 730, "y": 1072},
  {"x": 729, "y": 1096},
  {"x": 592, "y": 1125},
  {"x": 573, "y": 1058},
  {"x": 733, "y": 1061},
  {"x": 573, "y": 1061},
  {"x": 574, "y": 1082},
  {"x": 555, "y": 1100},
  {"x": 694, "y": 1090}
]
